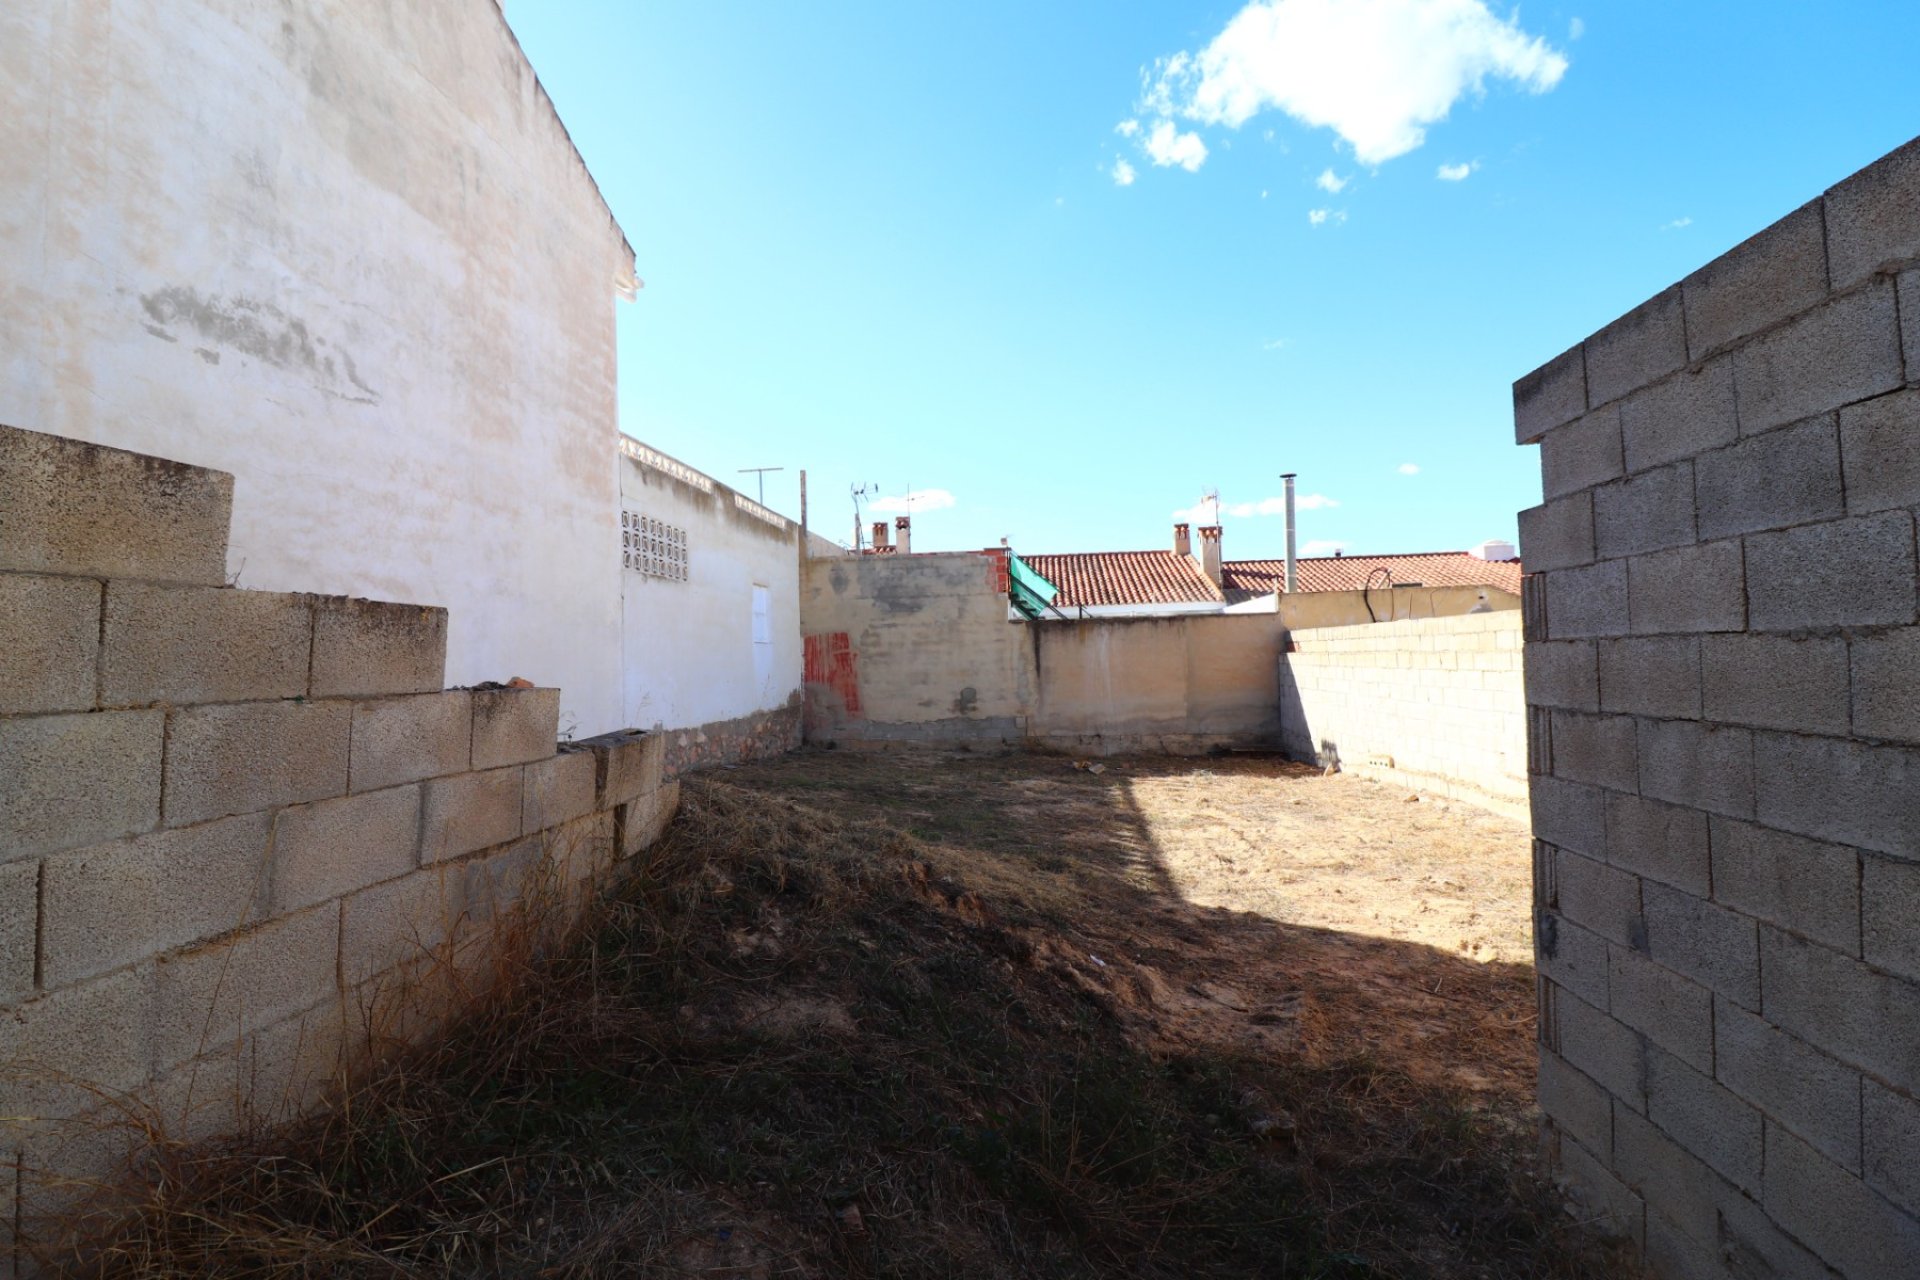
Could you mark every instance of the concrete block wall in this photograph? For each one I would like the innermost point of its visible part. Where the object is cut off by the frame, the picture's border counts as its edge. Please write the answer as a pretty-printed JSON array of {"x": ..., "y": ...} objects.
[
  {"x": 1723, "y": 653},
  {"x": 244, "y": 836},
  {"x": 1437, "y": 703}
]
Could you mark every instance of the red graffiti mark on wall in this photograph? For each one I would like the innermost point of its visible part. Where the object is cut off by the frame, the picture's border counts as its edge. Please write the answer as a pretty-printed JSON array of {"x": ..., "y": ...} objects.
[{"x": 830, "y": 661}]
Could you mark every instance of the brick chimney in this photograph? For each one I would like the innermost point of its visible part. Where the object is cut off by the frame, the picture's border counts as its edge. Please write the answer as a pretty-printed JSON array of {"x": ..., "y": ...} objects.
[
  {"x": 879, "y": 535},
  {"x": 1210, "y": 552},
  {"x": 1182, "y": 544},
  {"x": 903, "y": 526}
]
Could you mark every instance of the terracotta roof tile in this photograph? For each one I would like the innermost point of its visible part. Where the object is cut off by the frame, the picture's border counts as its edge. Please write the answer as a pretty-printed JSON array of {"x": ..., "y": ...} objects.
[
  {"x": 1126, "y": 577},
  {"x": 1161, "y": 577}
]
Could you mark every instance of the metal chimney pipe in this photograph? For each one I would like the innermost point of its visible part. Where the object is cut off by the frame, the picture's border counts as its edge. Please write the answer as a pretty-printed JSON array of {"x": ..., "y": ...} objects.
[{"x": 1291, "y": 579}]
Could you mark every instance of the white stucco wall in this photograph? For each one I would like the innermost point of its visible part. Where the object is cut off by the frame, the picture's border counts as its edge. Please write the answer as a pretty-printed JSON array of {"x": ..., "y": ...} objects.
[
  {"x": 344, "y": 250},
  {"x": 691, "y": 657}
]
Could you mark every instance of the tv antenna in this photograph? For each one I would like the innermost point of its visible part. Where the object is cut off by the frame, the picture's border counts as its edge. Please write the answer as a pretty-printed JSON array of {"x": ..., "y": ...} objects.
[
  {"x": 859, "y": 492},
  {"x": 761, "y": 474}
]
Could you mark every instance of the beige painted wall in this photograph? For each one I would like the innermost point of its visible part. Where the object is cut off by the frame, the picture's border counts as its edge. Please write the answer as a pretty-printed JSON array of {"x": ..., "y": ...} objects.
[{"x": 346, "y": 252}]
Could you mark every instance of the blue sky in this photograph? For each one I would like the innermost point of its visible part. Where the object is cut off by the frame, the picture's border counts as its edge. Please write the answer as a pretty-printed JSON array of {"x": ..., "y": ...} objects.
[{"x": 891, "y": 244}]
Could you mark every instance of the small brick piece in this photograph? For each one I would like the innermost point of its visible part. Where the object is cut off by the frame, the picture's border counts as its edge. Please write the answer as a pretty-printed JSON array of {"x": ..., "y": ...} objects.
[
  {"x": 1557, "y": 534},
  {"x": 1851, "y": 1228},
  {"x": 1782, "y": 478},
  {"x": 213, "y": 996},
  {"x": 1550, "y": 396},
  {"x": 1575, "y": 959},
  {"x": 1886, "y": 685},
  {"x": 1870, "y": 222},
  {"x": 1662, "y": 842},
  {"x": 116, "y": 903},
  {"x": 77, "y": 780},
  {"x": 1777, "y": 682},
  {"x": 202, "y": 644},
  {"x": 93, "y": 1034},
  {"x": 558, "y": 789},
  {"x": 1705, "y": 1118},
  {"x": 1790, "y": 881},
  {"x": 1854, "y": 1013},
  {"x": 1689, "y": 589},
  {"x": 405, "y": 739},
  {"x": 1585, "y": 602},
  {"x": 1890, "y": 904},
  {"x": 1845, "y": 351},
  {"x": 245, "y": 757},
  {"x": 50, "y": 634},
  {"x": 470, "y": 811},
  {"x": 334, "y": 847},
  {"x": 1570, "y": 815},
  {"x": 1713, "y": 946},
  {"x": 78, "y": 508},
  {"x": 1663, "y": 1006},
  {"x": 1703, "y": 766},
  {"x": 1651, "y": 676},
  {"x": 1890, "y": 1124},
  {"x": 1647, "y": 512},
  {"x": 1844, "y": 792},
  {"x": 371, "y": 648},
  {"x": 19, "y": 925},
  {"x": 1776, "y": 274},
  {"x": 513, "y": 726},
  {"x": 1810, "y": 1093},
  {"x": 1682, "y": 417},
  {"x": 1639, "y": 348},
  {"x": 1832, "y": 575},
  {"x": 1880, "y": 443}
]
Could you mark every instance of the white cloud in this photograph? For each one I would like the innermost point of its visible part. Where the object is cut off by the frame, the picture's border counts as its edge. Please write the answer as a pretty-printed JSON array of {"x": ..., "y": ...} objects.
[
  {"x": 1122, "y": 174},
  {"x": 1456, "y": 172},
  {"x": 912, "y": 502},
  {"x": 1127, "y": 128},
  {"x": 1201, "y": 512},
  {"x": 1322, "y": 547},
  {"x": 1263, "y": 195},
  {"x": 1576, "y": 28},
  {"x": 1167, "y": 146},
  {"x": 1321, "y": 217},
  {"x": 1376, "y": 72},
  {"x": 1331, "y": 183},
  {"x": 1409, "y": 469},
  {"x": 1275, "y": 345},
  {"x": 1677, "y": 224}
]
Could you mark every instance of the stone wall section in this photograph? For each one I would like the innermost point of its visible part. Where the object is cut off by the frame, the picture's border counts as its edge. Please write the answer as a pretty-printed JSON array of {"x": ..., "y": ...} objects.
[
  {"x": 1435, "y": 703},
  {"x": 1722, "y": 664},
  {"x": 245, "y": 837}
]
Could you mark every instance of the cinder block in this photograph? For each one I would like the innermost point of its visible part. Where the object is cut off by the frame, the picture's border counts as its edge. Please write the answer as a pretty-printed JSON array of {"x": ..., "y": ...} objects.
[
  {"x": 405, "y": 739},
  {"x": 19, "y": 929},
  {"x": 1603, "y": 1199},
  {"x": 1762, "y": 281},
  {"x": 1595, "y": 749},
  {"x": 1859, "y": 1015},
  {"x": 644, "y": 819},
  {"x": 370, "y": 648},
  {"x": 1789, "y": 881},
  {"x": 1562, "y": 673},
  {"x": 1854, "y": 572},
  {"x": 245, "y": 757},
  {"x": 1652, "y": 676},
  {"x": 1533, "y": 607},
  {"x": 1845, "y": 351},
  {"x": 215, "y": 995},
  {"x": 202, "y": 644},
  {"x": 1705, "y": 1118},
  {"x": 1672, "y": 1012},
  {"x": 1777, "y": 682},
  {"x": 1639, "y": 348},
  {"x": 1689, "y": 589},
  {"x": 1605, "y": 1050},
  {"x": 1890, "y": 914},
  {"x": 1576, "y": 1104},
  {"x": 470, "y": 811},
  {"x": 1844, "y": 792},
  {"x": 116, "y": 903},
  {"x": 1849, "y": 1226},
  {"x": 1558, "y": 534},
  {"x": 1598, "y": 897},
  {"x": 50, "y": 632},
  {"x": 1712, "y": 945},
  {"x": 411, "y": 921},
  {"x": 77, "y": 780},
  {"x": 1870, "y": 222},
  {"x": 1785, "y": 477},
  {"x": 333, "y": 847},
  {"x": 1685, "y": 1191},
  {"x": 1880, "y": 444},
  {"x": 1581, "y": 454},
  {"x": 580, "y": 852},
  {"x": 1808, "y": 1092},
  {"x": 1754, "y": 1245},
  {"x": 1550, "y": 396},
  {"x": 1570, "y": 815},
  {"x": 1647, "y": 512},
  {"x": 630, "y": 762},
  {"x": 1681, "y": 417},
  {"x": 92, "y": 1034},
  {"x": 76, "y": 508},
  {"x": 499, "y": 881},
  {"x": 295, "y": 1060},
  {"x": 513, "y": 726},
  {"x": 1890, "y": 1124},
  {"x": 1585, "y": 602},
  {"x": 558, "y": 789},
  {"x": 1574, "y": 958},
  {"x": 1886, "y": 685},
  {"x": 1702, "y": 766}
]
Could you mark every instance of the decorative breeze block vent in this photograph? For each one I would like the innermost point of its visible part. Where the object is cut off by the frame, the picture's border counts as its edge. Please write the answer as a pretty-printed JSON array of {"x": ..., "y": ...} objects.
[{"x": 652, "y": 547}]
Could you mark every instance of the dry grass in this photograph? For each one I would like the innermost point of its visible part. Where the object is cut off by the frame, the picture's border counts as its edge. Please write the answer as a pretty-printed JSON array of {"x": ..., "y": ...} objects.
[{"x": 800, "y": 1040}]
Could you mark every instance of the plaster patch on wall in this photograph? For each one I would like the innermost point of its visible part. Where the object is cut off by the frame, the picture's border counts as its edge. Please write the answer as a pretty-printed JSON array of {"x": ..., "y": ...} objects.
[{"x": 257, "y": 329}]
